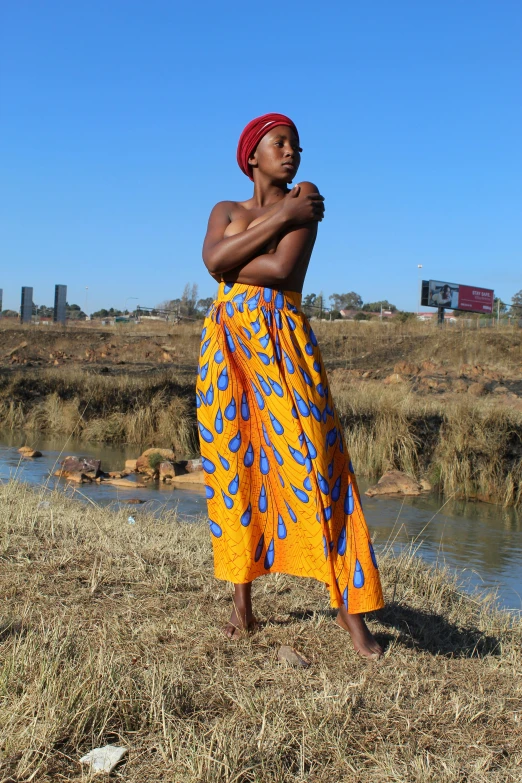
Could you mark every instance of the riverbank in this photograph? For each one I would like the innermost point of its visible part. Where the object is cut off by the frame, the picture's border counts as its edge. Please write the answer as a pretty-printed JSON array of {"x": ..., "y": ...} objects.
[
  {"x": 110, "y": 633},
  {"x": 445, "y": 405}
]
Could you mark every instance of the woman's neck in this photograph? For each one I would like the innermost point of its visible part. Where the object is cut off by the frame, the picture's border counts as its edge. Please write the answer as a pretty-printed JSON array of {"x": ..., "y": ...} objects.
[{"x": 267, "y": 192}]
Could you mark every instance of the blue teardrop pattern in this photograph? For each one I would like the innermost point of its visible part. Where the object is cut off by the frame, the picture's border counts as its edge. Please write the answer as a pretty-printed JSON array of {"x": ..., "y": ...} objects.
[
  {"x": 259, "y": 398},
  {"x": 303, "y": 497},
  {"x": 245, "y": 410},
  {"x": 205, "y": 434},
  {"x": 259, "y": 548},
  {"x": 348, "y": 501},
  {"x": 325, "y": 548},
  {"x": 246, "y": 516},
  {"x": 277, "y": 455},
  {"x": 209, "y": 492},
  {"x": 246, "y": 351},
  {"x": 307, "y": 484},
  {"x": 279, "y": 301},
  {"x": 235, "y": 443},
  {"x": 291, "y": 512},
  {"x": 204, "y": 347},
  {"x": 312, "y": 451},
  {"x": 230, "y": 309},
  {"x": 228, "y": 501},
  {"x": 263, "y": 501},
  {"x": 345, "y": 598},
  {"x": 277, "y": 388},
  {"x": 264, "y": 358},
  {"x": 264, "y": 340},
  {"x": 208, "y": 466},
  {"x": 203, "y": 371},
  {"x": 341, "y": 541},
  {"x": 231, "y": 410},
  {"x": 224, "y": 461},
  {"x": 265, "y": 434},
  {"x": 210, "y": 394},
  {"x": 218, "y": 422},
  {"x": 358, "y": 576},
  {"x": 264, "y": 385},
  {"x": 323, "y": 484},
  {"x": 281, "y": 527},
  {"x": 372, "y": 555},
  {"x": 234, "y": 485},
  {"x": 264, "y": 465},
  {"x": 301, "y": 404},
  {"x": 253, "y": 301},
  {"x": 278, "y": 427},
  {"x": 270, "y": 555},
  {"x": 230, "y": 340},
  {"x": 306, "y": 377},
  {"x": 215, "y": 529},
  {"x": 222, "y": 382},
  {"x": 248, "y": 459},
  {"x": 289, "y": 363},
  {"x": 256, "y": 326},
  {"x": 296, "y": 455},
  {"x": 218, "y": 357},
  {"x": 336, "y": 490}
]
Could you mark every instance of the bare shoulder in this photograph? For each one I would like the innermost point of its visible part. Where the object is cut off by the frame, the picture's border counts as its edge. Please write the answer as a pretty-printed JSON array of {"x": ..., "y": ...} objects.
[
  {"x": 224, "y": 208},
  {"x": 308, "y": 187}
]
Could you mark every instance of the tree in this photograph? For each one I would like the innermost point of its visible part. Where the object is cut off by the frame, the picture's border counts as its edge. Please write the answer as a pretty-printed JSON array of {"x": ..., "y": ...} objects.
[
  {"x": 516, "y": 308},
  {"x": 350, "y": 301},
  {"x": 360, "y": 316},
  {"x": 189, "y": 298},
  {"x": 9, "y": 314},
  {"x": 308, "y": 304},
  {"x": 204, "y": 304},
  {"x": 375, "y": 307}
]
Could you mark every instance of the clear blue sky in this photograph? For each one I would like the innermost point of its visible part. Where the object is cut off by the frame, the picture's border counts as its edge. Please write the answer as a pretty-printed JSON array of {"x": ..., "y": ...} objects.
[{"x": 119, "y": 123}]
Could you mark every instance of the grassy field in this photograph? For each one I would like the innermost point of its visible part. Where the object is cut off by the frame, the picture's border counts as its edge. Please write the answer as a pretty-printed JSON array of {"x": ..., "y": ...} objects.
[
  {"x": 443, "y": 404},
  {"x": 109, "y": 633}
]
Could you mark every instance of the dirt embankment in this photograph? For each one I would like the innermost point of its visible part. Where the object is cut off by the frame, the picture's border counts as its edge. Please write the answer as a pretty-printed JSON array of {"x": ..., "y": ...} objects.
[{"x": 443, "y": 404}]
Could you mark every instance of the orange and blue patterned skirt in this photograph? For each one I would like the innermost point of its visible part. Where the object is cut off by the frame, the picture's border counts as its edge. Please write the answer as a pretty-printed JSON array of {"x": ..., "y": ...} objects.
[{"x": 281, "y": 491}]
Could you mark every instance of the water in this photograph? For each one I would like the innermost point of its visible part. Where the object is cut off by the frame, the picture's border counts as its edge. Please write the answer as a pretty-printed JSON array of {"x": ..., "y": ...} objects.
[{"x": 482, "y": 542}]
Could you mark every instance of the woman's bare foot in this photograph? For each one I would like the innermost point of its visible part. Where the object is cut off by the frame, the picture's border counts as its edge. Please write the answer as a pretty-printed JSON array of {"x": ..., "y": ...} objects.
[
  {"x": 242, "y": 619},
  {"x": 365, "y": 644}
]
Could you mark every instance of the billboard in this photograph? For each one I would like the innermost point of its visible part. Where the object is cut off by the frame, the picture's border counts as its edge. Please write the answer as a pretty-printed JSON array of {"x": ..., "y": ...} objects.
[
  {"x": 60, "y": 296},
  {"x": 26, "y": 307},
  {"x": 437, "y": 293}
]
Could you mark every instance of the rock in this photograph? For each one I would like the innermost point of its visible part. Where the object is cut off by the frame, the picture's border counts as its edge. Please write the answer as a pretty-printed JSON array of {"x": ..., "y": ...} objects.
[
  {"x": 394, "y": 482},
  {"x": 87, "y": 465},
  {"x": 190, "y": 478},
  {"x": 166, "y": 471},
  {"x": 193, "y": 465},
  {"x": 406, "y": 368},
  {"x": 425, "y": 485},
  {"x": 29, "y": 453},
  {"x": 500, "y": 390},
  {"x": 477, "y": 389},
  {"x": 114, "y": 474},
  {"x": 459, "y": 385},
  {"x": 143, "y": 462},
  {"x": 76, "y": 476},
  {"x": 121, "y": 482},
  {"x": 130, "y": 464},
  {"x": 14, "y": 350},
  {"x": 293, "y": 657},
  {"x": 134, "y": 501},
  {"x": 429, "y": 366},
  {"x": 104, "y": 759},
  {"x": 394, "y": 378}
]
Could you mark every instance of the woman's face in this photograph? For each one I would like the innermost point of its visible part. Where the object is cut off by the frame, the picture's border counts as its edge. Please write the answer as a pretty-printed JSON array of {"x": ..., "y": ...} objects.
[{"x": 278, "y": 154}]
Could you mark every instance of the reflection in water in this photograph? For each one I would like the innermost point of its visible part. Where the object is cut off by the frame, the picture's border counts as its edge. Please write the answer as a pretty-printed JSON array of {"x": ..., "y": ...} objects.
[{"x": 483, "y": 542}]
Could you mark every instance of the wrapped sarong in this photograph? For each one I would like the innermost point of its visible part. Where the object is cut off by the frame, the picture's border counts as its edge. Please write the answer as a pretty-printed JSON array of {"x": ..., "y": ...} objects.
[{"x": 281, "y": 491}]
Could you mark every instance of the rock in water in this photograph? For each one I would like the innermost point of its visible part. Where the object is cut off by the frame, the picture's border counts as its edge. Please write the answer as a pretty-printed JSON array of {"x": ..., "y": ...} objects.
[
  {"x": 293, "y": 657},
  {"x": 395, "y": 483},
  {"x": 28, "y": 453},
  {"x": 87, "y": 465},
  {"x": 103, "y": 759}
]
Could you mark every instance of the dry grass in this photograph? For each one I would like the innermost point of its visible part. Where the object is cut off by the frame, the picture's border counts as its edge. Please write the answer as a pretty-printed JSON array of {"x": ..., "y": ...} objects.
[
  {"x": 468, "y": 447},
  {"x": 110, "y": 633}
]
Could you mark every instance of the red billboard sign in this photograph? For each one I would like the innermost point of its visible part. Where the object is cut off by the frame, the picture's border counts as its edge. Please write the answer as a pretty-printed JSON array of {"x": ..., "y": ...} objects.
[{"x": 436, "y": 293}]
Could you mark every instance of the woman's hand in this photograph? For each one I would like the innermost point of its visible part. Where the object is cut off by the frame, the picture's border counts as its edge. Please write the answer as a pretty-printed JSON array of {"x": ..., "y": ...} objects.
[{"x": 304, "y": 204}]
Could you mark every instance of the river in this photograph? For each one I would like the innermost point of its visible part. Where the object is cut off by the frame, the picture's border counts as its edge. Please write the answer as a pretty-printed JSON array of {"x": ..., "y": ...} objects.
[{"x": 481, "y": 542}]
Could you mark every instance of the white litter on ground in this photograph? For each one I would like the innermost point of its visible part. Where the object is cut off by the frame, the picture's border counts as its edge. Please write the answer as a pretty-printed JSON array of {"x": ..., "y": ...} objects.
[{"x": 103, "y": 759}]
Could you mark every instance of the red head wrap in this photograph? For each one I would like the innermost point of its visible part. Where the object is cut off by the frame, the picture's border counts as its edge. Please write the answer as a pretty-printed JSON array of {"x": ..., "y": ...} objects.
[{"x": 252, "y": 135}]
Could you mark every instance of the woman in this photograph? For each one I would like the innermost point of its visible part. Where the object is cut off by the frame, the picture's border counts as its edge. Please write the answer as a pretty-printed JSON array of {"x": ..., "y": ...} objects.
[{"x": 282, "y": 496}]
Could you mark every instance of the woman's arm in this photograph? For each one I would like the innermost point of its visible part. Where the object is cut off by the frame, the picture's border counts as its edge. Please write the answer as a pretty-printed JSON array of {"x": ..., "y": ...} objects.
[
  {"x": 289, "y": 262},
  {"x": 220, "y": 255}
]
